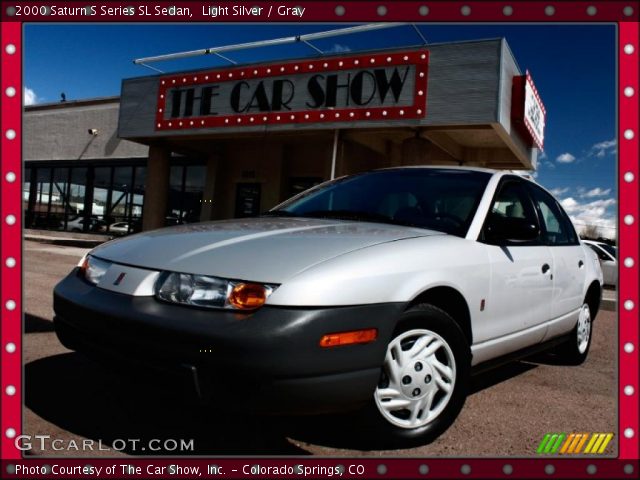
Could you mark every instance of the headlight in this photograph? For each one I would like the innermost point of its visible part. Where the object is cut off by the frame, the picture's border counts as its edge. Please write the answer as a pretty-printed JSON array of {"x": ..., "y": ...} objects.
[
  {"x": 92, "y": 269},
  {"x": 212, "y": 292}
]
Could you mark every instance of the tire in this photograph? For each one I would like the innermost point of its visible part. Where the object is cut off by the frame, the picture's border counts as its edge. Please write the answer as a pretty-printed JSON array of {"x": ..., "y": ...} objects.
[
  {"x": 426, "y": 383},
  {"x": 575, "y": 351}
]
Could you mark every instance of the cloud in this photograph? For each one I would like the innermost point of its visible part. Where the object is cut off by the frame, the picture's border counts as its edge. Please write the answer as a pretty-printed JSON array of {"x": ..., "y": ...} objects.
[
  {"x": 602, "y": 149},
  {"x": 559, "y": 191},
  {"x": 30, "y": 97},
  {"x": 338, "y": 48},
  {"x": 599, "y": 213},
  {"x": 596, "y": 192},
  {"x": 565, "y": 158}
]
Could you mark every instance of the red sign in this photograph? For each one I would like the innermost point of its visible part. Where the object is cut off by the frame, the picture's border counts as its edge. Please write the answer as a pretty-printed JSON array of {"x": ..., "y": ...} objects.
[
  {"x": 528, "y": 113},
  {"x": 381, "y": 86}
]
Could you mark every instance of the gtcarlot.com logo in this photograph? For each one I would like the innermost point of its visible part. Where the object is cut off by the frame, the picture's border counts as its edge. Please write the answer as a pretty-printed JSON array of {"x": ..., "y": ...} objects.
[
  {"x": 574, "y": 443},
  {"x": 46, "y": 442}
]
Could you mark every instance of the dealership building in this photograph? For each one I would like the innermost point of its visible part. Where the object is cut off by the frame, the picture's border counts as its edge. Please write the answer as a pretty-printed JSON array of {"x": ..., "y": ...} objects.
[{"x": 234, "y": 142}]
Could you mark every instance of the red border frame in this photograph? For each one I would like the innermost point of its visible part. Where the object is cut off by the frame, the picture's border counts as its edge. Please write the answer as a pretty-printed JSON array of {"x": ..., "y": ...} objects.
[
  {"x": 575, "y": 11},
  {"x": 325, "y": 65}
]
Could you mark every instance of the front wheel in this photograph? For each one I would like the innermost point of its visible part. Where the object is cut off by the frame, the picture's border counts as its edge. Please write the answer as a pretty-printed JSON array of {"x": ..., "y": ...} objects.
[{"x": 423, "y": 382}]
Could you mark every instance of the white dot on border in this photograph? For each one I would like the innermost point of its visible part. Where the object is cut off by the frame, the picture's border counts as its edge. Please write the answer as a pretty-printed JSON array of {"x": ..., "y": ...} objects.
[
  {"x": 507, "y": 469},
  {"x": 10, "y": 262},
  {"x": 382, "y": 10},
  {"x": 628, "y": 49},
  {"x": 628, "y": 262},
  {"x": 11, "y": 219},
  {"x": 10, "y": 49},
  {"x": 465, "y": 10},
  {"x": 628, "y": 305},
  {"x": 628, "y": 347},
  {"x": 629, "y": 433},
  {"x": 507, "y": 11},
  {"x": 591, "y": 10},
  {"x": 628, "y": 134},
  {"x": 423, "y": 10},
  {"x": 629, "y": 390},
  {"x": 10, "y": 390},
  {"x": 10, "y": 347},
  {"x": 629, "y": 177},
  {"x": 627, "y": 11},
  {"x": 628, "y": 219},
  {"x": 10, "y": 92},
  {"x": 11, "y": 134},
  {"x": 549, "y": 11},
  {"x": 10, "y": 432},
  {"x": 10, "y": 177},
  {"x": 628, "y": 469},
  {"x": 340, "y": 10},
  {"x": 549, "y": 469},
  {"x": 10, "y": 305},
  {"x": 628, "y": 91}
]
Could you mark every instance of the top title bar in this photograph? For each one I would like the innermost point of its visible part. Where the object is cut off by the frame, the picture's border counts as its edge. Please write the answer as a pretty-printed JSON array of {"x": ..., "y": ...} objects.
[{"x": 326, "y": 11}]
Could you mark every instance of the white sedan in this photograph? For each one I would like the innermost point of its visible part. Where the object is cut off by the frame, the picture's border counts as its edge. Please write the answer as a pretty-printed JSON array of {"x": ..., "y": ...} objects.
[
  {"x": 607, "y": 254},
  {"x": 382, "y": 291}
]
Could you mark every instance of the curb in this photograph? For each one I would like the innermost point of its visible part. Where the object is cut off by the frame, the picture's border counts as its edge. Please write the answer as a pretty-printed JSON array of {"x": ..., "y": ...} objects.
[
  {"x": 609, "y": 305},
  {"x": 67, "y": 242}
]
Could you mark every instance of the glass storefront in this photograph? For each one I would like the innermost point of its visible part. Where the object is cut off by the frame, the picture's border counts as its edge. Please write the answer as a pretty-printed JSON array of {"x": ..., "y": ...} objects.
[
  {"x": 104, "y": 199},
  {"x": 186, "y": 186}
]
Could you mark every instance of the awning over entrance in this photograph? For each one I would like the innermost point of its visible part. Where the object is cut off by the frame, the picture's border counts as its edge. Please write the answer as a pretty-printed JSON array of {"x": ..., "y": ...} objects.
[{"x": 458, "y": 103}]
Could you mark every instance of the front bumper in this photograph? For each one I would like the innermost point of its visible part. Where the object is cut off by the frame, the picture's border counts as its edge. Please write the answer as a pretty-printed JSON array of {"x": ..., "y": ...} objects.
[{"x": 270, "y": 360}]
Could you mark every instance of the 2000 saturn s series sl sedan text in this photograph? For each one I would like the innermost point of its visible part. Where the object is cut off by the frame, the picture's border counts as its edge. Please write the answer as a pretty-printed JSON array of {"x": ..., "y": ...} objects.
[{"x": 377, "y": 292}]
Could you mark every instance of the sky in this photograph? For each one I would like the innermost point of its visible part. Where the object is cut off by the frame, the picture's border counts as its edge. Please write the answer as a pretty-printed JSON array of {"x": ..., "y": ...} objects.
[{"x": 573, "y": 66}]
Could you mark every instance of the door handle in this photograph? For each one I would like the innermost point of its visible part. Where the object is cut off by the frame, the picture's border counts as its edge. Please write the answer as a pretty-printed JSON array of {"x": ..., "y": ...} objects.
[
  {"x": 580, "y": 264},
  {"x": 545, "y": 268}
]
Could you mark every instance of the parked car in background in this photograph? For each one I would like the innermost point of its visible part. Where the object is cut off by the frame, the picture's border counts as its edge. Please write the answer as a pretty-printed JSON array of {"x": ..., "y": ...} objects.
[
  {"x": 76, "y": 224},
  {"x": 119, "y": 228},
  {"x": 379, "y": 291},
  {"x": 608, "y": 256}
]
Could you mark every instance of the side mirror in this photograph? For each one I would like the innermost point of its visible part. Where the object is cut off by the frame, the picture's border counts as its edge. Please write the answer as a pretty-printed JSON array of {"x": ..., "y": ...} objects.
[{"x": 510, "y": 229}]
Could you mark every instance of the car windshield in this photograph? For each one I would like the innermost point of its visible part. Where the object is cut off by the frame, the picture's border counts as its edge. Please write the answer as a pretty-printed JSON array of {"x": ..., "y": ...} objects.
[
  {"x": 608, "y": 248},
  {"x": 432, "y": 198}
]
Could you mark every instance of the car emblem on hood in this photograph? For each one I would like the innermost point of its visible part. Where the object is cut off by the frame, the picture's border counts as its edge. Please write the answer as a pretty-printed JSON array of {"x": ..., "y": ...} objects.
[{"x": 119, "y": 279}]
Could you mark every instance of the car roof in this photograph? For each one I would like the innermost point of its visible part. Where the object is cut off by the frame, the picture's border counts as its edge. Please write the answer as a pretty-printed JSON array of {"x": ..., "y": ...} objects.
[
  {"x": 445, "y": 167},
  {"x": 595, "y": 242}
]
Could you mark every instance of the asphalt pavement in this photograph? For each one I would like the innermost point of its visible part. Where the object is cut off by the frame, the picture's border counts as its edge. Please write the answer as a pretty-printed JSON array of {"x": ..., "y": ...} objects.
[{"x": 76, "y": 400}]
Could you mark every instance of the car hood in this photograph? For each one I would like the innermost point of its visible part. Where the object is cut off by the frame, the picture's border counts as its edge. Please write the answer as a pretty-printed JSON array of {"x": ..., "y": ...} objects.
[{"x": 263, "y": 249}]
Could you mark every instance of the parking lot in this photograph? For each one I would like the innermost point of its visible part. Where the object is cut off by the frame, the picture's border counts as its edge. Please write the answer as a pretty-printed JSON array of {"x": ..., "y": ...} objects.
[{"x": 71, "y": 398}]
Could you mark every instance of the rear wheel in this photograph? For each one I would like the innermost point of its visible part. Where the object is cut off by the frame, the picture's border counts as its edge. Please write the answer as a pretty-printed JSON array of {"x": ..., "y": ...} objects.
[
  {"x": 424, "y": 379},
  {"x": 575, "y": 351}
]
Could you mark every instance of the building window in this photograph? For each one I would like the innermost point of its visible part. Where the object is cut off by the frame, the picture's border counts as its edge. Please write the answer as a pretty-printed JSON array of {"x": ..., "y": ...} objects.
[{"x": 186, "y": 186}]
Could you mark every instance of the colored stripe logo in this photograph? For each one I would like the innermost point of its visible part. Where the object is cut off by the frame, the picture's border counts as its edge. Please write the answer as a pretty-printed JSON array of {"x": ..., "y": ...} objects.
[{"x": 574, "y": 443}]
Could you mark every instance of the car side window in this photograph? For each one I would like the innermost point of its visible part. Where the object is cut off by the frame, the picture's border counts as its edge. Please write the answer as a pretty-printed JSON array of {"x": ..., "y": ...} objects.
[
  {"x": 557, "y": 228},
  {"x": 513, "y": 201}
]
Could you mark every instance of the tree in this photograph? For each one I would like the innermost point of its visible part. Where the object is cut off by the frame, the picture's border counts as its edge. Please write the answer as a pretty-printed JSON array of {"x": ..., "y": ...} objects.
[{"x": 590, "y": 232}]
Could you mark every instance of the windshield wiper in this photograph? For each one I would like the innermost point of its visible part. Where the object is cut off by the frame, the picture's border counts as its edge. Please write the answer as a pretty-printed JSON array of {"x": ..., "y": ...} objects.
[
  {"x": 279, "y": 213},
  {"x": 350, "y": 215}
]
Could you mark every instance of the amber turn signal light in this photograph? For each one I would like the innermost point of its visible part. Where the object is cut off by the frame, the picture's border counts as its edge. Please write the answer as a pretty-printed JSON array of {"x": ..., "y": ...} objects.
[
  {"x": 247, "y": 296},
  {"x": 83, "y": 267},
  {"x": 349, "y": 338}
]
